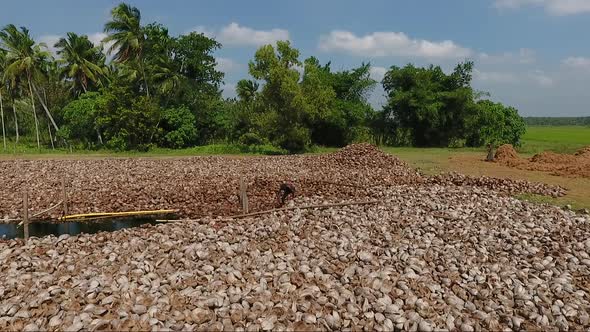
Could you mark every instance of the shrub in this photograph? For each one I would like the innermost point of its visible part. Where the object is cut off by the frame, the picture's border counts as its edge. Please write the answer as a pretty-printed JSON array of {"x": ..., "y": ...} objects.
[
  {"x": 295, "y": 140},
  {"x": 249, "y": 139},
  {"x": 79, "y": 118},
  {"x": 179, "y": 129}
]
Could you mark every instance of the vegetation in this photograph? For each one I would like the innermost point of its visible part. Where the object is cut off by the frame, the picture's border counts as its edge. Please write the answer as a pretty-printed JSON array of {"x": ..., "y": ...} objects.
[
  {"x": 560, "y": 139},
  {"x": 142, "y": 88},
  {"x": 557, "y": 121},
  {"x": 427, "y": 107}
]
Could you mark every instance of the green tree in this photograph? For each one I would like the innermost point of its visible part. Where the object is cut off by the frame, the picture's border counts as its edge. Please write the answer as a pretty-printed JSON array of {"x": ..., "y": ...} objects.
[
  {"x": 2, "y": 85},
  {"x": 127, "y": 35},
  {"x": 82, "y": 62},
  {"x": 126, "y": 121},
  {"x": 429, "y": 104},
  {"x": 25, "y": 60},
  {"x": 80, "y": 120},
  {"x": 282, "y": 95},
  {"x": 179, "y": 128},
  {"x": 247, "y": 90},
  {"x": 339, "y": 112},
  {"x": 494, "y": 124}
]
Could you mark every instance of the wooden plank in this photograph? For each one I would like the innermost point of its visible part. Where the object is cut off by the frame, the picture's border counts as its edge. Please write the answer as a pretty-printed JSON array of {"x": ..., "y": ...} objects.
[
  {"x": 65, "y": 196},
  {"x": 244, "y": 195},
  {"x": 26, "y": 214}
]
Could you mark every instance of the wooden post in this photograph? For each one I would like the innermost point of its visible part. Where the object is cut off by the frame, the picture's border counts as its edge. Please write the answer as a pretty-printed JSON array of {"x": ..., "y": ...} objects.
[
  {"x": 243, "y": 195},
  {"x": 26, "y": 214},
  {"x": 65, "y": 196}
]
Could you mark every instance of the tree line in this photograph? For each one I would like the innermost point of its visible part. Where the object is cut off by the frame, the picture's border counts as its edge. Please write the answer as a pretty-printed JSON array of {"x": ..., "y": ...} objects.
[
  {"x": 557, "y": 121},
  {"x": 149, "y": 88}
]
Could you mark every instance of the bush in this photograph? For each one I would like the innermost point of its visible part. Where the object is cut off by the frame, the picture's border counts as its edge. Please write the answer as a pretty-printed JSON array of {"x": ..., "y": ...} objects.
[
  {"x": 178, "y": 125},
  {"x": 129, "y": 123},
  {"x": 80, "y": 118},
  {"x": 266, "y": 149},
  {"x": 295, "y": 140},
  {"x": 494, "y": 123},
  {"x": 249, "y": 139}
]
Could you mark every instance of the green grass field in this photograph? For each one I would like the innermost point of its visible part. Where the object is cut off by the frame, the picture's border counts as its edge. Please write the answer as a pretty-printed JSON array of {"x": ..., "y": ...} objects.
[{"x": 562, "y": 139}]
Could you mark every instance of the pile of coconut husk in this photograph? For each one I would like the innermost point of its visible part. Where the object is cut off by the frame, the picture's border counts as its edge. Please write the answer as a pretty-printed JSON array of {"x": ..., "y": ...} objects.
[
  {"x": 209, "y": 186},
  {"x": 571, "y": 165}
]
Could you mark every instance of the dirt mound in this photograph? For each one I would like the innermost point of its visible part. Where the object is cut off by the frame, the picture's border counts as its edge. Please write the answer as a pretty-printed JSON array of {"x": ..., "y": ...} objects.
[
  {"x": 549, "y": 157},
  {"x": 584, "y": 152},
  {"x": 576, "y": 165},
  {"x": 505, "y": 152}
]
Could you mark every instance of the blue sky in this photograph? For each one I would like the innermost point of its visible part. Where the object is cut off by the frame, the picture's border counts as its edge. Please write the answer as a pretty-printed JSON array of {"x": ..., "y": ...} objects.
[{"x": 531, "y": 54}]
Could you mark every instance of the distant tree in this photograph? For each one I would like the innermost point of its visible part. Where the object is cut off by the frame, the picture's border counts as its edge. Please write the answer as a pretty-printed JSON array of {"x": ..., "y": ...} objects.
[
  {"x": 282, "y": 95},
  {"x": 246, "y": 90},
  {"x": 433, "y": 106},
  {"x": 80, "y": 120},
  {"x": 25, "y": 61},
  {"x": 2, "y": 85},
  {"x": 127, "y": 35},
  {"x": 557, "y": 121},
  {"x": 82, "y": 62},
  {"x": 127, "y": 122},
  {"x": 179, "y": 128},
  {"x": 493, "y": 124}
]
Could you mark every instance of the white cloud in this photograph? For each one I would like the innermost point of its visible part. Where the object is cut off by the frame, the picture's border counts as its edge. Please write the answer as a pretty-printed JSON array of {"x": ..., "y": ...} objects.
[
  {"x": 227, "y": 65},
  {"x": 379, "y": 44},
  {"x": 554, "y": 7},
  {"x": 541, "y": 78},
  {"x": 577, "y": 63},
  {"x": 50, "y": 41},
  {"x": 236, "y": 35},
  {"x": 537, "y": 77},
  {"x": 377, "y": 73},
  {"x": 494, "y": 77},
  {"x": 523, "y": 56}
]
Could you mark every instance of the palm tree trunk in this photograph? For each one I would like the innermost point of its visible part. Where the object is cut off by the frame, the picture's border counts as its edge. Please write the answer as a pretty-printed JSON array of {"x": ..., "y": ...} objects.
[
  {"x": 15, "y": 122},
  {"x": 147, "y": 89},
  {"x": 99, "y": 136},
  {"x": 45, "y": 108},
  {"x": 50, "y": 136},
  {"x": 2, "y": 116},
  {"x": 34, "y": 114}
]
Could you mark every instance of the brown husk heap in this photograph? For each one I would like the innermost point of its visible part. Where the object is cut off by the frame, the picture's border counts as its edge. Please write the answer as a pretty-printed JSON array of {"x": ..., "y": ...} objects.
[
  {"x": 201, "y": 186},
  {"x": 576, "y": 165}
]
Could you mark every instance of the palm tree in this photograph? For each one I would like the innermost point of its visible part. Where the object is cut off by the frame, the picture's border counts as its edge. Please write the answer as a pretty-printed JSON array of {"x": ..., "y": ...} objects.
[
  {"x": 24, "y": 58},
  {"x": 82, "y": 62},
  {"x": 2, "y": 84},
  {"x": 166, "y": 75},
  {"x": 246, "y": 90},
  {"x": 128, "y": 38}
]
